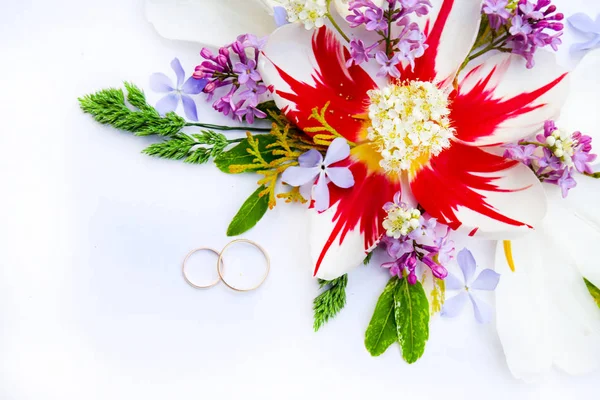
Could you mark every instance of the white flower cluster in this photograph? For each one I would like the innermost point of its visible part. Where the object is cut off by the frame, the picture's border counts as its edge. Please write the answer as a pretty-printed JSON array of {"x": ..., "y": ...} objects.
[
  {"x": 409, "y": 123},
  {"x": 311, "y": 13},
  {"x": 562, "y": 145},
  {"x": 401, "y": 221}
]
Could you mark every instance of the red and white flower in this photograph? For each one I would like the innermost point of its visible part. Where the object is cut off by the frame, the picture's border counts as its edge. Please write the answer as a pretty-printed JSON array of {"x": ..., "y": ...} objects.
[{"x": 452, "y": 166}]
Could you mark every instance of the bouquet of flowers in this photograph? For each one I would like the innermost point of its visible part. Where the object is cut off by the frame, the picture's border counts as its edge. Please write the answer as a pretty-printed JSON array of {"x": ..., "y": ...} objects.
[{"x": 399, "y": 124}]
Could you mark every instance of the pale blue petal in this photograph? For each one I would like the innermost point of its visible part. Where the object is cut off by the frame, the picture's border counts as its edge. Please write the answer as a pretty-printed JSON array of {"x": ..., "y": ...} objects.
[
  {"x": 189, "y": 107},
  {"x": 306, "y": 191},
  {"x": 483, "y": 312},
  {"x": 341, "y": 177},
  {"x": 582, "y": 22},
  {"x": 193, "y": 86},
  {"x": 338, "y": 150},
  {"x": 590, "y": 44},
  {"x": 280, "y": 15},
  {"x": 179, "y": 73},
  {"x": 167, "y": 103},
  {"x": 467, "y": 264},
  {"x": 298, "y": 176},
  {"x": 310, "y": 159},
  {"x": 161, "y": 83},
  {"x": 454, "y": 305},
  {"x": 487, "y": 280},
  {"x": 321, "y": 194},
  {"x": 453, "y": 283}
]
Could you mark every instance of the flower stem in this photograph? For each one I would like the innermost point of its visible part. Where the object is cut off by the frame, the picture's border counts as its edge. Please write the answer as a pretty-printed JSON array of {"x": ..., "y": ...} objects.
[
  {"x": 228, "y": 128},
  {"x": 595, "y": 175},
  {"x": 335, "y": 24}
]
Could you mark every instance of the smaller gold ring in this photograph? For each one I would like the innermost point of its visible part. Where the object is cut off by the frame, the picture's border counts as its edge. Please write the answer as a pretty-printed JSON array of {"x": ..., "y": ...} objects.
[
  {"x": 220, "y": 264},
  {"x": 185, "y": 275}
]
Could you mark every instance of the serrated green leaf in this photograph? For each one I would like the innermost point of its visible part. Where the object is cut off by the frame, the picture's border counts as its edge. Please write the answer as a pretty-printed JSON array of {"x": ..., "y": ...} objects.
[
  {"x": 412, "y": 319},
  {"x": 381, "y": 332},
  {"x": 239, "y": 155},
  {"x": 594, "y": 291},
  {"x": 249, "y": 214}
]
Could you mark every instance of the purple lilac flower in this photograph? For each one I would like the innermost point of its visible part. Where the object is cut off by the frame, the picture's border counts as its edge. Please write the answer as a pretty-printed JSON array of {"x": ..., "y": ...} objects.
[
  {"x": 531, "y": 25},
  {"x": 233, "y": 76},
  {"x": 556, "y": 156},
  {"x": 487, "y": 280},
  {"x": 388, "y": 65},
  {"x": 583, "y": 24},
  {"x": 359, "y": 53},
  {"x": 497, "y": 12},
  {"x": 524, "y": 154},
  {"x": 421, "y": 246},
  {"x": 313, "y": 167},
  {"x": 408, "y": 41},
  {"x": 182, "y": 90}
]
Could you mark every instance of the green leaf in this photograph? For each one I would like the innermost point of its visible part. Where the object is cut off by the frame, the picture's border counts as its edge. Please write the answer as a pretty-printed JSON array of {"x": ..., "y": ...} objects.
[
  {"x": 381, "y": 332},
  {"x": 412, "y": 319},
  {"x": 595, "y": 292},
  {"x": 367, "y": 259},
  {"x": 251, "y": 212},
  {"x": 239, "y": 155},
  {"x": 331, "y": 301}
]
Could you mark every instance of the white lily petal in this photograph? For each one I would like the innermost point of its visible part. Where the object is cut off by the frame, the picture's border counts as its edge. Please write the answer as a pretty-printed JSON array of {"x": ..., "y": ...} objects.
[
  {"x": 521, "y": 310},
  {"x": 209, "y": 22},
  {"x": 544, "y": 312},
  {"x": 580, "y": 112}
]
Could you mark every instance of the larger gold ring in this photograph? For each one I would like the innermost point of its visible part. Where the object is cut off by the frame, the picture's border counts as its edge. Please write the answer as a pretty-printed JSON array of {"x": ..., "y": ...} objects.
[
  {"x": 185, "y": 261},
  {"x": 220, "y": 264}
]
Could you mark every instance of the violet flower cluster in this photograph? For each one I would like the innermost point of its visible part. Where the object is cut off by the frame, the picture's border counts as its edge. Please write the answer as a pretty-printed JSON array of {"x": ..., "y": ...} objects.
[
  {"x": 423, "y": 245},
  {"x": 402, "y": 39},
  {"x": 531, "y": 25},
  {"x": 556, "y": 156},
  {"x": 232, "y": 76}
]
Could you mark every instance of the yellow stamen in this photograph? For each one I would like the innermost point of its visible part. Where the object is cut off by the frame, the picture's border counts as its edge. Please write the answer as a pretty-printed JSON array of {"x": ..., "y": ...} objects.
[{"x": 509, "y": 255}]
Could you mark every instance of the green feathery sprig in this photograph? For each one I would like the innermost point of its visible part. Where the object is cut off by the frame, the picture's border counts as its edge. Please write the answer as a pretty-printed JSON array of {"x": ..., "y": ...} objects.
[
  {"x": 193, "y": 149},
  {"x": 331, "y": 301},
  {"x": 108, "y": 107}
]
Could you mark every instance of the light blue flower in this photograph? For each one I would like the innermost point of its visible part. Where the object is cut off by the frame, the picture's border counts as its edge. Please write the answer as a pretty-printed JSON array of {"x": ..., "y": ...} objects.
[
  {"x": 585, "y": 25},
  {"x": 486, "y": 280}
]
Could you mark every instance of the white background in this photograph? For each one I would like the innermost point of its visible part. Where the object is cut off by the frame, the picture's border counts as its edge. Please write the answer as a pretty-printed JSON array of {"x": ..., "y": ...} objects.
[{"x": 92, "y": 303}]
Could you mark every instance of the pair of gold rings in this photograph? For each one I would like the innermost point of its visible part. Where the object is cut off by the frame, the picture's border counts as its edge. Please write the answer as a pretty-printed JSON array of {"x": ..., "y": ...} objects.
[{"x": 220, "y": 265}]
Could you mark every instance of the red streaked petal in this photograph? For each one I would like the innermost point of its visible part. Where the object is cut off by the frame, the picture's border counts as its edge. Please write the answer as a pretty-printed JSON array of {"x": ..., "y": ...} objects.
[
  {"x": 450, "y": 39},
  {"x": 307, "y": 70},
  {"x": 500, "y": 101},
  {"x": 341, "y": 236},
  {"x": 481, "y": 193}
]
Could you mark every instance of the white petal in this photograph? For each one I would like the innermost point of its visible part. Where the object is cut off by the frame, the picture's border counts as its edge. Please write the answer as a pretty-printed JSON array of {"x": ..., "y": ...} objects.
[
  {"x": 210, "y": 22},
  {"x": 545, "y": 314},
  {"x": 342, "y": 256},
  {"x": 451, "y": 40},
  {"x": 581, "y": 111},
  {"x": 521, "y": 310},
  {"x": 514, "y": 86},
  {"x": 575, "y": 223},
  {"x": 527, "y": 206}
]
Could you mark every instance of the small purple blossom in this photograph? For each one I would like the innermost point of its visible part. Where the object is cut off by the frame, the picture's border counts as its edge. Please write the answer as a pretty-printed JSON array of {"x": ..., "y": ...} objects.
[
  {"x": 556, "y": 156},
  {"x": 181, "y": 90},
  {"x": 407, "y": 43},
  {"x": 497, "y": 12},
  {"x": 533, "y": 24},
  {"x": 232, "y": 74},
  {"x": 312, "y": 167},
  {"x": 487, "y": 280},
  {"x": 388, "y": 65},
  {"x": 584, "y": 25}
]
